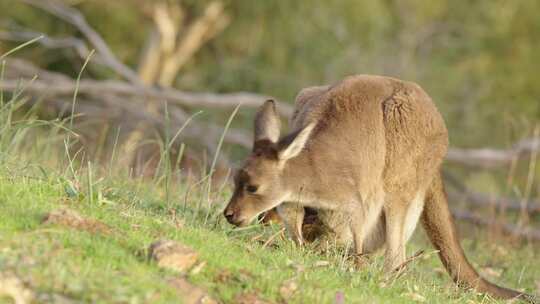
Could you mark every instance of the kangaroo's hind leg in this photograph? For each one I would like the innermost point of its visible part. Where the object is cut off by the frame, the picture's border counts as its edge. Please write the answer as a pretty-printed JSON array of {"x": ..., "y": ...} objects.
[{"x": 402, "y": 210}]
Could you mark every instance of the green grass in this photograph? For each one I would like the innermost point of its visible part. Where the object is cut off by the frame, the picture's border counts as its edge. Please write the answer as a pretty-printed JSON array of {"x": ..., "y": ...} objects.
[{"x": 113, "y": 268}]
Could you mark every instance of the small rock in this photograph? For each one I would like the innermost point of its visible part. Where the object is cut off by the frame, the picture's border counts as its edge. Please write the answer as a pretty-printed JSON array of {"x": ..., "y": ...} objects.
[
  {"x": 12, "y": 287},
  {"x": 71, "y": 218},
  {"x": 248, "y": 298},
  {"x": 189, "y": 293},
  {"x": 287, "y": 289},
  {"x": 173, "y": 255},
  {"x": 321, "y": 264}
]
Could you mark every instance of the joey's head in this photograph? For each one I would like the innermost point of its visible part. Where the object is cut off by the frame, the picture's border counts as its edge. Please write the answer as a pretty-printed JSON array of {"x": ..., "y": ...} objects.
[{"x": 260, "y": 184}]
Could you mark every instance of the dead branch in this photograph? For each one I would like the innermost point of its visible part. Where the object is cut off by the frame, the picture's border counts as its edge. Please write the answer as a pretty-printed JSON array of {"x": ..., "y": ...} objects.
[
  {"x": 161, "y": 40},
  {"x": 78, "y": 45},
  {"x": 75, "y": 18},
  {"x": 211, "y": 23},
  {"x": 149, "y": 62},
  {"x": 527, "y": 233},
  {"x": 63, "y": 85},
  {"x": 196, "y": 100},
  {"x": 485, "y": 200},
  {"x": 489, "y": 158}
]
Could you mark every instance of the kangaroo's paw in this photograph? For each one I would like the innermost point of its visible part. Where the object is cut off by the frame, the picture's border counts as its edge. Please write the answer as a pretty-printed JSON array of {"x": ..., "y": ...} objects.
[{"x": 361, "y": 261}]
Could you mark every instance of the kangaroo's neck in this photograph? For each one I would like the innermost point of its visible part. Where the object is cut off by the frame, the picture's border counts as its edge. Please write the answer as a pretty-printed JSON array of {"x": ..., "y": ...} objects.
[{"x": 300, "y": 178}]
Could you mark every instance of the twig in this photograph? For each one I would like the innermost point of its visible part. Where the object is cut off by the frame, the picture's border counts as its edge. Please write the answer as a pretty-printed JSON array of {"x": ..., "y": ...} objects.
[{"x": 270, "y": 239}]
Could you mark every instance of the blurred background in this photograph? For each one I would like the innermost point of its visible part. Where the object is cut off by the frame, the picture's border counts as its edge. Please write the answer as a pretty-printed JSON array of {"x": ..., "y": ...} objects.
[{"x": 174, "y": 71}]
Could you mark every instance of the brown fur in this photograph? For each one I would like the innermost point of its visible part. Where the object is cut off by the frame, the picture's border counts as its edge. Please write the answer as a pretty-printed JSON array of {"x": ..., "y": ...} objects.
[{"x": 366, "y": 153}]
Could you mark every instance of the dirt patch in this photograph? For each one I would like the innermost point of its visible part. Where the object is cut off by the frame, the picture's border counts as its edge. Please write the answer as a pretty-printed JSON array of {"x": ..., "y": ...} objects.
[
  {"x": 226, "y": 276},
  {"x": 14, "y": 288},
  {"x": 249, "y": 298},
  {"x": 173, "y": 255},
  {"x": 189, "y": 293},
  {"x": 72, "y": 219}
]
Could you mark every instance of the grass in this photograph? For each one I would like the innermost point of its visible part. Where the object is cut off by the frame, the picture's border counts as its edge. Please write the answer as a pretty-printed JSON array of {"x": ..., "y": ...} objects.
[{"x": 113, "y": 268}]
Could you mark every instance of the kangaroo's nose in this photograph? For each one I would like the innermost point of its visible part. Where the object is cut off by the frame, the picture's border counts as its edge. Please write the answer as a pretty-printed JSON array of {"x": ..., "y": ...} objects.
[{"x": 229, "y": 215}]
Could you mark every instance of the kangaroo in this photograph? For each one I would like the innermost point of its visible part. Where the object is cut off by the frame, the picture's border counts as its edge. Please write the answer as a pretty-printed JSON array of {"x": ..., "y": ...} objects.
[{"x": 369, "y": 148}]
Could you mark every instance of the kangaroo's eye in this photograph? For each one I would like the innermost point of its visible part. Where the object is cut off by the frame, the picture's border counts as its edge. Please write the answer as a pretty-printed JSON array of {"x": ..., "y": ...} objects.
[{"x": 251, "y": 188}]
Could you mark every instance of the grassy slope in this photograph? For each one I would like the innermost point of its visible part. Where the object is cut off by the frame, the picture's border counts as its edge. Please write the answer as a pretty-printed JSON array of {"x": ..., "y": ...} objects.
[{"x": 94, "y": 267}]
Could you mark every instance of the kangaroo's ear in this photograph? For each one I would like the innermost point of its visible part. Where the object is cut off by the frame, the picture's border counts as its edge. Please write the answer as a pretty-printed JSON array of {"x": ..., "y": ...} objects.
[
  {"x": 291, "y": 145},
  {"x": 267, "y": 123}
]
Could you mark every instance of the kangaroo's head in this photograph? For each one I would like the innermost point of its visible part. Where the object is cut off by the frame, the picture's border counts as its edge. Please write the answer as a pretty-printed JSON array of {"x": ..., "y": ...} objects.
[{"x": 260, "y": 184}]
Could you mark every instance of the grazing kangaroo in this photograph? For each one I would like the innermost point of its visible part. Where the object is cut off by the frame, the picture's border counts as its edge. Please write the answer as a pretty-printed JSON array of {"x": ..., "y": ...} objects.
[{"x": 369, "y": 148}]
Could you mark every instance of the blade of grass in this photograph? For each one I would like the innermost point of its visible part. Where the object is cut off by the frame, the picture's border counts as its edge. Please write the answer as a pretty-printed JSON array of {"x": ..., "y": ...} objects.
[
  {"x": 2, "y": 71},
  {"x": 77, "y": 84},
  {"x": 113, "y": 153},
  {"x": 216, "y": 156},
  {"x": 89, "y": 183},
  {"x": 20, "y": 47}
]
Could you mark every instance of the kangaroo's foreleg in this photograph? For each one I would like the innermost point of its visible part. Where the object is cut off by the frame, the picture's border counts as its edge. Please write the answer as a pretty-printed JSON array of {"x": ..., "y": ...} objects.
[{"x": 293, "y": 216}]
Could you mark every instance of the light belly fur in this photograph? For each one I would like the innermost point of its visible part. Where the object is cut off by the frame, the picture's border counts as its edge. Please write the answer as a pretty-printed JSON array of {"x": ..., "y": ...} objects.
[
  {"x": 413, "y": 214},
  {"x": 375, "y": 238}
]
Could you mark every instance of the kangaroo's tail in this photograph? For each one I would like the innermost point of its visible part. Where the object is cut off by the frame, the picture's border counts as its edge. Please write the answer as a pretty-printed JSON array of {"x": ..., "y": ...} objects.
[{"x": 439, "y": 225}]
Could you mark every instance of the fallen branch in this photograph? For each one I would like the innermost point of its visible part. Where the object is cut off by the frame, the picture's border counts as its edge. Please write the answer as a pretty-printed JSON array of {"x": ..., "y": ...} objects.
[
  {"x": 520, "y": 232},
  {"x": 78, "y": 45},
  {"x": 489, "y": 158},
  {"x": 485, "y": 200},
  {"x": 22, "y": 68}
]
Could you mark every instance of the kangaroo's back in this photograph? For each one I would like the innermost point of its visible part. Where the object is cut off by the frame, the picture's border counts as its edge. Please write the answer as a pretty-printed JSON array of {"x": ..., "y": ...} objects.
[{"x": 397, "y": 119}]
